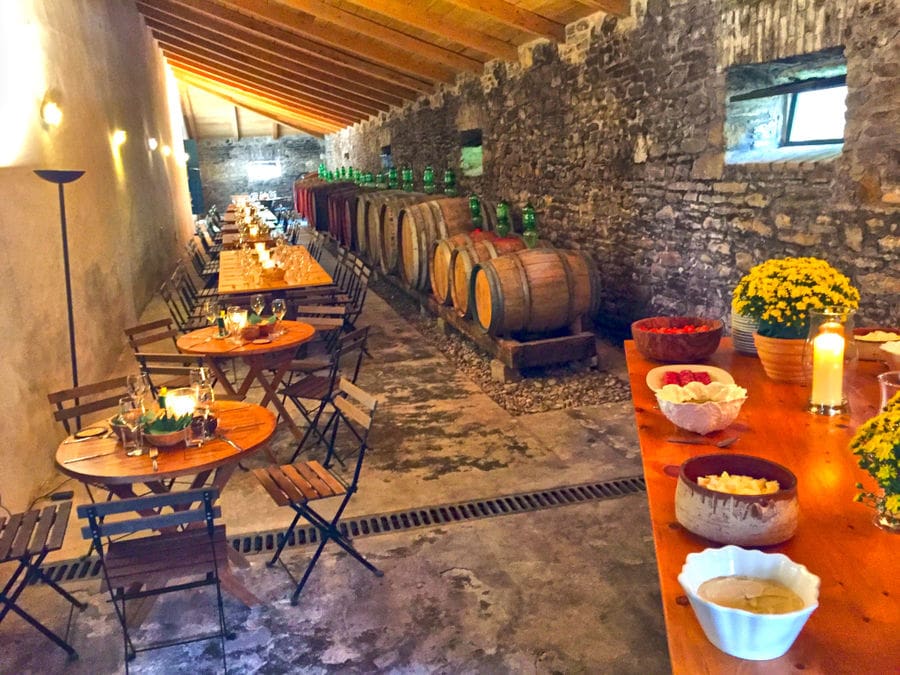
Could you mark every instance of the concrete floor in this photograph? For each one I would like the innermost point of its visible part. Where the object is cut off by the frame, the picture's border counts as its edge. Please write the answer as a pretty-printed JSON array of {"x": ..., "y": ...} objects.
[{"x": 571, "y": 589}]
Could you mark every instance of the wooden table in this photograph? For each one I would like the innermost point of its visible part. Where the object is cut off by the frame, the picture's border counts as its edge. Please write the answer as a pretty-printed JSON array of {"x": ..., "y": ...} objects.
[
  {"x": 274, "y": 355},
  {"x": 232, "y": 281},
  {"x": 247, "y": 425},
  {"x": 856, "y": 628}
]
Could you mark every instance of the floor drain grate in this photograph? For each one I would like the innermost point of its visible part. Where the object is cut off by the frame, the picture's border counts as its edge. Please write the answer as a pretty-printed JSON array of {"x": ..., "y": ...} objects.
[{"x": 410, "y": 519}]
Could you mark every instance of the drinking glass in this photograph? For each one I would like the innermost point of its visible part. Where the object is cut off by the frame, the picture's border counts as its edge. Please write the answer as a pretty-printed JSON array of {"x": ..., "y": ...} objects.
[
  {"x": 279, "y": 309},
  {"x": 200, "y": 377},
  {"x": 202, "y": 425},
  {"x": 889, "y": 383},
  {"x": 130, "y": 428},
  {"x": 138, "y": 387},
  {"x": 258, "y": 303},
  {"x": 211, "y": 310}
]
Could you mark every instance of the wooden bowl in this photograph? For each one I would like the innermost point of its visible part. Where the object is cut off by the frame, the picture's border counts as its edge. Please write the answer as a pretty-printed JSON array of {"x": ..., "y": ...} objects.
[
  {"x": 273, "y": 274},
  {"x": 250, "y": 332},
  {"x": 744, "y": 520},
  {"x": 676, "y": 347},
  {"x": 869, "y": 350},
  {"x": 168, "y": 440}
]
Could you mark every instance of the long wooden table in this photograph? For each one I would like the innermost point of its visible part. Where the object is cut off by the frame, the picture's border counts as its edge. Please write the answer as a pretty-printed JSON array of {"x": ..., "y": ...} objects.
[
  {"x": 856, "y": 628},
  {"x": 232, "y": 281}
]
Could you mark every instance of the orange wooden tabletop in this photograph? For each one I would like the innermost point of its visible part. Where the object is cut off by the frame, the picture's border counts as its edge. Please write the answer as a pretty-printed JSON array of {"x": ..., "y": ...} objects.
[
  {"x": 246, "y": 424},
  {"x": 205, "y": 342},
  {"x": 231, "y": 277},
  {"x": 856, "y": 628}
]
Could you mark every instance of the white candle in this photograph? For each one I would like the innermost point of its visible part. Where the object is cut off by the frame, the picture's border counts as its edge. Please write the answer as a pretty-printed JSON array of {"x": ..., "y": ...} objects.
[
  {"x": 260, "y": 249},
  {"x": 828, "y": 369},
  {"x": 179, "y": 406}
]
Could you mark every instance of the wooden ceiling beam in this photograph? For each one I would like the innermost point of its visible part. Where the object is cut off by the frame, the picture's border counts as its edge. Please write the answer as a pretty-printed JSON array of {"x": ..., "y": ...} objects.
[
  {"x": 413, "y": 14},
  {"x": 517, "y": 17},
  {"x": 254, "y": 87},
  {"x": 338, "y": 93},
  {"x": 350, "y": 32},
  {"x": 349, "y": 69},
  {"x": 617, "y": 7},
  {"x": 237, "y": 122},
  {"x": 290, "y": 27},
  {"x": 236, "y": 97}
]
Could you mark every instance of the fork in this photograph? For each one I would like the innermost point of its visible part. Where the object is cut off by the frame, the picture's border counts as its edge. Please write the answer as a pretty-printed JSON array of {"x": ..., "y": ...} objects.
[{"x": 154, "y": 453}]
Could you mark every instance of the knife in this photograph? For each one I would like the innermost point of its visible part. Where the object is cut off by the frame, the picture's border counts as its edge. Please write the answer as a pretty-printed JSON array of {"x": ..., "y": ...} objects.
[
  {"x": 96, "y": 454},
  {"x": 230, "y": 442}
]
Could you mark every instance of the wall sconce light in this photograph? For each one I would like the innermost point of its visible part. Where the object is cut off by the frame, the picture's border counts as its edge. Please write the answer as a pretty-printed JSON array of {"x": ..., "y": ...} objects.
[
  {"x": 51, "y": 113},
  {"x": 182, "y": 157},
  {"x": 152, "y": 143},
  {"x": 166, "y": 151},
  {"x": 119, "y": 137}
]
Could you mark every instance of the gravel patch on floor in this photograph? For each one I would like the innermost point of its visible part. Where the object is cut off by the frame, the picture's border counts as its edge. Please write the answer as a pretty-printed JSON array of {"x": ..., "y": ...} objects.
[{"x": 542, "y": 389}]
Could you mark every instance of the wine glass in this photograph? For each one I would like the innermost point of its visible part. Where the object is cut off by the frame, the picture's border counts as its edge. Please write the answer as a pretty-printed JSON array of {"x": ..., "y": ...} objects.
[
  {"x": 199, "y": 377},
  {"x": 138, "y": 387},
  {"x": 279, "y": 309},
  {"x": 130, "y": 423},
  {"x": 211, "y": 310},
  {"x": 258, "y": 303}
]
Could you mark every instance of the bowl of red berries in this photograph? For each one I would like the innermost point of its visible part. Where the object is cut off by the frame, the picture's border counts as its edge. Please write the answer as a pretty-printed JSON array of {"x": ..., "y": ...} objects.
[{"x": 673, "y": 339}]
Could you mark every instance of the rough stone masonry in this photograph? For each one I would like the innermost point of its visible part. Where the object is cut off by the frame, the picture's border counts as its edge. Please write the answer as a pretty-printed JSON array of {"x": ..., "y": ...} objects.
[{"x": 617, "y": 138}]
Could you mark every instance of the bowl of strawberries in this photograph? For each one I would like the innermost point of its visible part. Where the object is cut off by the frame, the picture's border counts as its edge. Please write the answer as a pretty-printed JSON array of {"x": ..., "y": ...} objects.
[{"x": 673, "y": 339}]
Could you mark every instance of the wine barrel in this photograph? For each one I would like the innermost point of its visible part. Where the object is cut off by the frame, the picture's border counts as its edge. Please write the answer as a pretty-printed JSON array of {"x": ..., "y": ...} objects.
[
  {"x": 366, "y": 204},
  {"x": 533, "y": 291},
  {"x": 388, "y": 227},
  {"x": 440, "y": 271},
  {"x": 317, "y": 203},
  {"x": 465, "y": 258},
  {"x": 374, "y": 216},
  {"x": 338, "y": 224},
  {"x": 421, "y": 226}
]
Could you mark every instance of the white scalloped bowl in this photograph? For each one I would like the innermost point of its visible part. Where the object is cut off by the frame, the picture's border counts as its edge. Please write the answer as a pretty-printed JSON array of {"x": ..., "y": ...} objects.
[
  {"x": 757, "y": 637},
  {"x": 679, "y": 405}
]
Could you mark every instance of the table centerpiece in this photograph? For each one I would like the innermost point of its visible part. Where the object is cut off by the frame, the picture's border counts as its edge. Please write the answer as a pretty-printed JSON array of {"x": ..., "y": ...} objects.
[
  {"x": 779, "y": 295},
  {"x": 876, "y": 445}
]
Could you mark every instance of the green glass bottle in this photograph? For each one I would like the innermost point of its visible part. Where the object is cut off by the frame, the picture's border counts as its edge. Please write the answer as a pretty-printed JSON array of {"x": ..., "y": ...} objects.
[
  {"x": 475, "y": 211},
  {"x": 502, "y": 218},
  {"x": 408, "y": 185},
  {"x": 428, "y": 181},
  {"x": 450, "y": 183},
  {"x": 529, "y": 226},
  {"x": 329, "y": 176},
  {"x": 393, "y": 183},
  {"x": 322, "y": 169}
]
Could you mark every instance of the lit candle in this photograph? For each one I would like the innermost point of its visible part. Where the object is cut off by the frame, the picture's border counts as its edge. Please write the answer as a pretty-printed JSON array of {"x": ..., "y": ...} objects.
[
  {"x": 828, "y": 367},
  {"x": 260, "y": 249},
  {"x": 180, "y": 405}
]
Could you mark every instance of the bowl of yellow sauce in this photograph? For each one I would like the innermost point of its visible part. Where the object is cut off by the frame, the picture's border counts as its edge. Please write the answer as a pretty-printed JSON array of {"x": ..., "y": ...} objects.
[{"x": 750, "y": 604}]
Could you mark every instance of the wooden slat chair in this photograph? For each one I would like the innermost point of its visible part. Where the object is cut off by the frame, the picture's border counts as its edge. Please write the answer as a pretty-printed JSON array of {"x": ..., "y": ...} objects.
[
  {"x": 190, "y": 550},
  {"x": 204, "y": 267},
  {"x": 27, "y": 538},
  {"x": 358, "y": 289},
  {"x": 312, "y": 391},
  {"x": 186, "y": 318},
  {"x": 73, "y": 406},
  {"x": 158, "y": 333},
  {"x": 302, "y": 484},
  {"x": 192, "y": 286},
  {"x": 175, "y": 368},
  {"x": 210, "y": 247}
]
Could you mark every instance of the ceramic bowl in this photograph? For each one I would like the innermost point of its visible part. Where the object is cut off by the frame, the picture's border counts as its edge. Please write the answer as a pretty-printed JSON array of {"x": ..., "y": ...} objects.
[
  {"x": 676, "y": 347},
  {"x": 871, "y": 350},
  {"x": 746, "y": 520},
  {"x": 890, "y": 353},
  {"x": 168, "y": 440},
  {"x": 702, "y": 418},
  {"x": 757, "y": 637}
]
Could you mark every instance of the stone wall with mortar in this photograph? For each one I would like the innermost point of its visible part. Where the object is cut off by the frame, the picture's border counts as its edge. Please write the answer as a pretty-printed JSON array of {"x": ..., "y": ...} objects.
[
  {"x": 617, "y": 137},
  {"x": 223, "y": 164},
  {"x": 128, "y": 216}
]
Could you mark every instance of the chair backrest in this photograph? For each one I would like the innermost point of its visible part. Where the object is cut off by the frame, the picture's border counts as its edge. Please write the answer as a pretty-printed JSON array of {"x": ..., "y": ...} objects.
[
  {"x": 352, "y": 348},
  {"x": 77, "y": 402},
  {"x": 357, "y": 293},
  {"x": 356, "y": 408},
  {"x": 156, "y": 365},
  {"x": 160, "y": 331}
]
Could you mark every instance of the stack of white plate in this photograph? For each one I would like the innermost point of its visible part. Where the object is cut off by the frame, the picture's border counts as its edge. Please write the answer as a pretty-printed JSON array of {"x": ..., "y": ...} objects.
[{"x": 742, "y": 330}]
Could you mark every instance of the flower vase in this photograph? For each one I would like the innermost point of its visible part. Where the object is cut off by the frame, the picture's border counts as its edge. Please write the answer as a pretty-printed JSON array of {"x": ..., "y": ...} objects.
[
  {"x": 782, "y": 358},
  {"x": 742, "y": 329},
  {"x": 886, "y": 520}
]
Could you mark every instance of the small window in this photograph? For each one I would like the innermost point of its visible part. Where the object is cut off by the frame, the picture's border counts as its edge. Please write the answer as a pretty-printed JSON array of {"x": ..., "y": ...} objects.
[
  {"x": 263, "y": 171},
  {"x": 816, "y": 116},
  {"x": 387, "y": 159},
  {"x": 471, "y": 155}
]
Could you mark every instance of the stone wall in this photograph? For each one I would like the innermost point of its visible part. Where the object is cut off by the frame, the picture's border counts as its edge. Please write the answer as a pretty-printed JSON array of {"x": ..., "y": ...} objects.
[
  {"x": 128, "y": 216},
  {"x": 223, "y": 164},
  {"x": 617, "y": 138}
]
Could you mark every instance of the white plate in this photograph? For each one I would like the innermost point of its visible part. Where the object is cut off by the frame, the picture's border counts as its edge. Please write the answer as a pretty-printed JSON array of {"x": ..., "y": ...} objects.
[{"x": 655, "y": 376}]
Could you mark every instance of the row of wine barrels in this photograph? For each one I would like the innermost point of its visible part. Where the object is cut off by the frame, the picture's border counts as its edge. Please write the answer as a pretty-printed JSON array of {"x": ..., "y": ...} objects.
[
  {"x": 441, "y": 268},
  {"x": 313, "y": 201},
  {"x": 533, "y": 291},
  {"x": 340, "y": 222},
  {"x": 387, "y": 227},
  {"x": 368, "y": 222},
  {"x": 422, "y": 225},
  {"x": 301, "y": 203},
  {"x": 466, "y": 258}
]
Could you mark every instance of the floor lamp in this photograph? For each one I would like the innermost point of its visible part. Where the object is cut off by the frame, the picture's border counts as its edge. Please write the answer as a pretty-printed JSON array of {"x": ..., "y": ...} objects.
[{"x": 61, "y": 178}]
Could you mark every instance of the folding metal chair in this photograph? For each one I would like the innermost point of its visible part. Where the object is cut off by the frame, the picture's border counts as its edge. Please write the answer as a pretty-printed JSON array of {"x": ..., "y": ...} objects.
[
  {"x": 299, "y": 485},
  {"x": 189, "y": 550},
  {"x": 177, "y": 367},
  {"x": 151, "y": 333},
  {"x": 27, "y": 538},
  {"x": 71, "y": 405}
]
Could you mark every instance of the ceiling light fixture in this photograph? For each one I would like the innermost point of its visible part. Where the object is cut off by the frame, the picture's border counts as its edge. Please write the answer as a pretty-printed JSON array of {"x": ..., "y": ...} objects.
[{"x": 152, "y": 143}]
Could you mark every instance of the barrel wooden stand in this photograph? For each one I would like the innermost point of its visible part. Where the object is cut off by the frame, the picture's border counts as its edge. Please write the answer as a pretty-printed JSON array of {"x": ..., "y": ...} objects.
[{"x": 510, "y": 356}]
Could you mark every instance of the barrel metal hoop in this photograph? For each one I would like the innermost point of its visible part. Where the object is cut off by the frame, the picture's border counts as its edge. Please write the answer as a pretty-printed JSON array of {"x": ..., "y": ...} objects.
[{"x": 570, "y": 282}]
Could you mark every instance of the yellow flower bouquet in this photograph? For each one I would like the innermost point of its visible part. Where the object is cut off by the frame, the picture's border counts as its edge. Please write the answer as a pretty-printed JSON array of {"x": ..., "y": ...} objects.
[
  {"x": 780, "y": 292},
  {"x": 877, "y": 448}
]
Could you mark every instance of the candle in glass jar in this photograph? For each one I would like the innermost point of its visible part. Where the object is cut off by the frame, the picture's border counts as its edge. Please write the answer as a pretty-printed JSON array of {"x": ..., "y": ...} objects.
[
  {"x": 828, "y": 367},
  {"x": 180, "y": 405}
]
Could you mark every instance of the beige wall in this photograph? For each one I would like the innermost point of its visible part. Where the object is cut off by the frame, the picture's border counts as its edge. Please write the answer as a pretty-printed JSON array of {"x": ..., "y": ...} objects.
[{"x": 128, "y": 215}]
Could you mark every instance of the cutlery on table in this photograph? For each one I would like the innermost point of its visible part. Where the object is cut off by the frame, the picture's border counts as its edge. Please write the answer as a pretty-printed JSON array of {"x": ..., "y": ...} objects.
[
  {"x": 154, "y": 453},
  {"x": 95, "y": 455}
]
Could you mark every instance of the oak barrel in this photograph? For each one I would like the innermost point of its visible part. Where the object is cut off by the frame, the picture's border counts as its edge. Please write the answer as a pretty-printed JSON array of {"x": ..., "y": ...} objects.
[
  {"x": 422, "y": 225},
  {"x": 388, "y": 226},
  {"x": 533, "y": 291},
  {"x": 367, "y": 206},
  {"x": 317, "y": 203},
  {"x": 464, "y": 259},
  {"x": 338, "y": 222},
  {"x": 440, "y": 271}
]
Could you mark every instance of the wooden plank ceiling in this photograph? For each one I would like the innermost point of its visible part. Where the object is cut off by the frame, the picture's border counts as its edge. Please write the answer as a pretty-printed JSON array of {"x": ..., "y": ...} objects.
[{"x": 321, "y": 65}]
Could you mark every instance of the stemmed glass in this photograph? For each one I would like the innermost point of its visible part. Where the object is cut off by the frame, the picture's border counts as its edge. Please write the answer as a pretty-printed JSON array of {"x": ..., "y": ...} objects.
[
  {"x": 279, "y": 309},
  {"x": 258, "y": 303},
  {"x": 131, "y": 422},
  {"x": 211, "y": 310},
  {"x": 203, "y": 423},
  {"x": 138, "y": 387}
]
